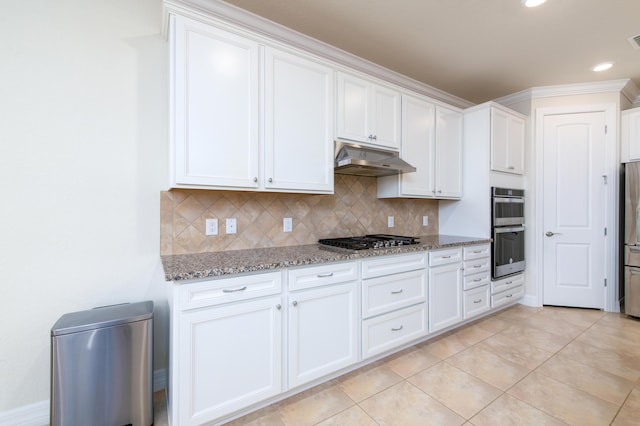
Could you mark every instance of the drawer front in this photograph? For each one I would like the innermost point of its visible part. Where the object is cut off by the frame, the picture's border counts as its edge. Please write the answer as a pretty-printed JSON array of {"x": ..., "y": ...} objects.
[
  {"x": 476, "y": 266},
  {"x": 384, "y": 294},
  {"x": 507, "y": 283},
  {"x": 632, "y": 255},
  {"x": 224, "y": 290},
  {"x": 476, "y": 252},
  {"x": 393, "y": 264},
  {"x": 476, "y": 280},
  {"x": 388, "y": 331},
  {"x": 506, "y": 297},
  {"x": 315, "y": 276},
  {"x": 442, "y": 257},
  {"x": 476, "y": 301}
]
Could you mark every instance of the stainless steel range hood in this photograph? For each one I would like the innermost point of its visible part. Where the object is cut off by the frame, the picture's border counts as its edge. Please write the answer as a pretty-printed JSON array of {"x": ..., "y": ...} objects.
[{"x": 359, "y": 160}]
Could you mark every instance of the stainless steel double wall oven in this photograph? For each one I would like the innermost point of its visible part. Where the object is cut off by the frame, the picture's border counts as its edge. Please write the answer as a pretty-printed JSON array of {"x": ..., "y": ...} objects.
[{"x": 507, "y": 227}]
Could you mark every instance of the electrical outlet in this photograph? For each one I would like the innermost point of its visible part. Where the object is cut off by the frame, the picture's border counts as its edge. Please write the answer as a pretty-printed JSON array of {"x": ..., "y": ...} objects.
[
  {"x": 287, "y": 224},
  {"x": 390, "y": 223},
  {"x": 232, "y": 225},
  {"x": 211, "y": 227},
  {"x": 425, "y": 220}
]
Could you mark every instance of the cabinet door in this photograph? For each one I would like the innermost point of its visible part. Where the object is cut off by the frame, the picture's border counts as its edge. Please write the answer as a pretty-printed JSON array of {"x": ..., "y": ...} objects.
[
  {"x": 448, "y": 163},
  {"x": 632, "y": 134},
  {"x": 230, "y": 357},
  {"x": 298, "y": 123},
  {"x": 353, "y": 103},
  {"x": 418, "y": 147},
  {"x": 214, "y": 78},
  {"x": 323, "y": 331},
  {"x": 445, "y": 296},
  {"x": 507, "y": 142},
  {"x": 386, "y": 120}
]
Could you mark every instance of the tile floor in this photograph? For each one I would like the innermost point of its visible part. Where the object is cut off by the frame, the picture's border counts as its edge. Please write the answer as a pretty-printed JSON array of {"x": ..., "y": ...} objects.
[{"x": 521, "y": 366}]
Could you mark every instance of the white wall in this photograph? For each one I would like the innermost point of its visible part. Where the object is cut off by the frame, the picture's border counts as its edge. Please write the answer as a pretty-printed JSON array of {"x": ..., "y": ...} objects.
[{"x": 83, "y": 143}]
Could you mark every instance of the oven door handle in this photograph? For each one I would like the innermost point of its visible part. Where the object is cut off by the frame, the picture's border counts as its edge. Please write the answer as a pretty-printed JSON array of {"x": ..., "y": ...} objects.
[
  {"x": 508, "y": 200},
  {"x": 504, "y": 229}
]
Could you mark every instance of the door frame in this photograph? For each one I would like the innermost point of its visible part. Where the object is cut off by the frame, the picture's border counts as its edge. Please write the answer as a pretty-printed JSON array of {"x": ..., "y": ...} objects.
[{"x": 612, "y": 167}]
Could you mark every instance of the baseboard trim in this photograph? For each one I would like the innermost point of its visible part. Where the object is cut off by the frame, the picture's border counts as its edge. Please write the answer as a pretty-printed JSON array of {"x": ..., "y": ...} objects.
[
  {"x": 37, "y": 414},
  {"x": 529, "y": 300}
]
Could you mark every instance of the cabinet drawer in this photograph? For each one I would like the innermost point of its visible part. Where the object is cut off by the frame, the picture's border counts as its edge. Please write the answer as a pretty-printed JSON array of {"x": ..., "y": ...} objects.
[
  {"x": 476, "y": 252},
  {"x": 388, "y": 331},
  {"x": 316, "y": 276},
  {"x": 476, "y": 301},
  {"x": 476, "y": 266},
  {"x": 442, "y": 257},
  {"x": 508, "y": 296},
  {"x": 476, "y": 280},
  {"x": 384, "y": 294},
  {"x": 393, "y": 264},
  {"x": 507, "y": 283},
  {"x": 224, "y": 290}
]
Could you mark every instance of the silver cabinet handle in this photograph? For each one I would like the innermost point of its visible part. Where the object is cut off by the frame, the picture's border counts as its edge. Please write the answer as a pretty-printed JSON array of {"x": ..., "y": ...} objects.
[
  {"x": 370, "y": 136},
  {"x": 477, "y": 280},
  {"x": 396, "y": 329},
  {"x": 477, "y": 301},
  {"x": 294, "y": 303},
  {"x": 477, "y": 266},
  {"x": 509, "y": 295},
  {"x": 278, "y": 306},
  {"x": 446, "y": 257},
  {"x": 551, "y": 234},
  {"x": 255, "y": 179},
  {"x": 234, "y": 290},
  {"x": 330, "y": 274},
  {"x": 508, "y": 282},
  {"x": 511, "y": 168},
  {"x": 375, "y": 137},
  {"x": 397, "y": 291},
  {"x": 439, "y": 191},
  {"x": 477, "y": 251}
]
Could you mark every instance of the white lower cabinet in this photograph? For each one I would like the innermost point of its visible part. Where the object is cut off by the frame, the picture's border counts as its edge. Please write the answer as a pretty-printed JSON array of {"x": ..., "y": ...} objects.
[
  {"x": 445, "y": 288},
  {"x": 385, "y": 332},
  {"x": 507, "y": 290},
  {"x": 323, "y": 331},
  {"x": 476, "y": 301},
  {"x": 229, "y": 357},
  {"x": 477, "y": 280}
]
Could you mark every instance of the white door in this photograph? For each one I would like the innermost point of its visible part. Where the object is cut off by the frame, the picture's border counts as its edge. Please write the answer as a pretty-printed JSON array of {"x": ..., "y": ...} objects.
[{"x": 574, "y": 206}]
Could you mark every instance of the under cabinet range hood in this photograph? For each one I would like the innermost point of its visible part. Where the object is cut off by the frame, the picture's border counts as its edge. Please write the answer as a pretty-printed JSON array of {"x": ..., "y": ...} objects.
[{"x": 359, "y": 160}]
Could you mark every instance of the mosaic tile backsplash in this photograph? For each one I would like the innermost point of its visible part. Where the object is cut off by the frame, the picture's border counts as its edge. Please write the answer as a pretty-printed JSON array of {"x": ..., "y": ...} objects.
[{"x": 352, "y": 210}]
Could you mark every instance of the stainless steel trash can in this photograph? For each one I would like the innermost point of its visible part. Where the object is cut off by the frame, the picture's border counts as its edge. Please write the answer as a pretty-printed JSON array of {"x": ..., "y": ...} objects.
[{"x": 102, "y": 366}]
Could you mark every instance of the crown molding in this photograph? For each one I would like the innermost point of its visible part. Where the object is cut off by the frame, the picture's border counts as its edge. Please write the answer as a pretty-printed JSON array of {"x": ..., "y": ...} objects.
[{"x": 219, "y": 12}]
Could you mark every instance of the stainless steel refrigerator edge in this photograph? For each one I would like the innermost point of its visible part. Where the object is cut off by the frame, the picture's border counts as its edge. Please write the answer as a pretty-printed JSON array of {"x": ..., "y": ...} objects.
[{"x": 632, "y": 239}]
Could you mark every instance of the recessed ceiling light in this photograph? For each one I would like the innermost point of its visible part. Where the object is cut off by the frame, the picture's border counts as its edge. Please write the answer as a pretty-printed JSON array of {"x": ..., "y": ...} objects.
[
  {"x": 532, "y": 3},
  {"x": 602, "y": 67}
]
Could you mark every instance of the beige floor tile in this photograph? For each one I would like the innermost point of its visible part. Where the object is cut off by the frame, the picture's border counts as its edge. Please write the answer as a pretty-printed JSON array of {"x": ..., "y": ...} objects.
[
  {"x": 363, "y": 383},
  {"x": 259, "y": 418},
  {"x": 554, "y": 326},
  {"x": 314, "y": 408},
  {"x": 518, "y": 312},
  {"x": 597, "y": 382},
  {"x": 581, "y": 317},
  {"x": 446, "y": 346},
  {"x": 629, "y": 414},
  {"x": 409, "y": 363},
  {"x": 473, "y": 334},
  {"x": 510, "y": 411},
  {"x": 610, "y": 341},
  {"x": 352, "y": 416},
  {"x": 493, "y": 324},
  {"x": 456, "y": 389},
  {"x": 515, "y": 351},
  {"x": 406, "y": 405},
  {"x": 489, "y": 367},
  {"x": 607, "y": 360},
  {"x": 534, "y": 336},
  {"x": 630, "y": 333},
  {"x": 565, "y": 402}
]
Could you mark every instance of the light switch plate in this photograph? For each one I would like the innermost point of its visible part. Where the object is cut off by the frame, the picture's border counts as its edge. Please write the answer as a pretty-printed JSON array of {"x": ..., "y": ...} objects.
[
  {"x": 425, "y": 220},
  {"x": 287, "y": 224},
  {"x": 232, "y": 225},
  {"x": 390, "y": 223},
  {"x": 211, "y": 227}
]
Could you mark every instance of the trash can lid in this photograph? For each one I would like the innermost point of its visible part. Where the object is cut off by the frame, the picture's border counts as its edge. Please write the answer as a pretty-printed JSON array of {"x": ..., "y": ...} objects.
[{"x": 101, "y": 317}]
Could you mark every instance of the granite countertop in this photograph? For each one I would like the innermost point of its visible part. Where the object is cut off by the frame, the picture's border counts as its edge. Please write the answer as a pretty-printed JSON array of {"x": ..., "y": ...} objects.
[{"x": 214, "y": 264}]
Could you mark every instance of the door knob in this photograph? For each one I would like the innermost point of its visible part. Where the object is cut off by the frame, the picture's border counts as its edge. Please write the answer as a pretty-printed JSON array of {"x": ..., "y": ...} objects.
[{"x": 551, "y": 234}]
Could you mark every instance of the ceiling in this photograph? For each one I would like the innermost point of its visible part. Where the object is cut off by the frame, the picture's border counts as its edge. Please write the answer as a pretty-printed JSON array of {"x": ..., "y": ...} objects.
[{"x": 478, "y": 50}]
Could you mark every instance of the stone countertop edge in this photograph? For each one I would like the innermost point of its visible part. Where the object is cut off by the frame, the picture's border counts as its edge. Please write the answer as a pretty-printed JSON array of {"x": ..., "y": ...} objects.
[{"x": 182, "y": 267}]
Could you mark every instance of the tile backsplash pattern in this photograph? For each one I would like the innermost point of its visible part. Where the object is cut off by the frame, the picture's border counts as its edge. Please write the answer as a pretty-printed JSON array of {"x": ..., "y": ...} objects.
[{"x": 352, "y": 210}]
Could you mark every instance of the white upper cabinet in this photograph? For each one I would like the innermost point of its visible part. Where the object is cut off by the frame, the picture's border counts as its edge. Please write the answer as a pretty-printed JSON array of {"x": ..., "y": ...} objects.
[
  {"x": 215, "y": 107},
  {"x": 432, "y": 143},
  {"x": 507, "y": 142},
  {"x": 367, "y": 112},
  {"x": 299, "y": 123},
  {"x": 630, "y": 135},
  {"x": 232, "y": 131}
]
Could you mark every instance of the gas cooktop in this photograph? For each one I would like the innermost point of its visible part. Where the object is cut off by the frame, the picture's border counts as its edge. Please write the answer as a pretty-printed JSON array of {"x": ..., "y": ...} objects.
[{"x": 366, "y": 242}]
